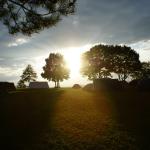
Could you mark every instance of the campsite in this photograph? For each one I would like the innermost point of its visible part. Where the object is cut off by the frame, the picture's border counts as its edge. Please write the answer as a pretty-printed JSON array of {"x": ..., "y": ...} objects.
[{"x": 74, "y": 74}]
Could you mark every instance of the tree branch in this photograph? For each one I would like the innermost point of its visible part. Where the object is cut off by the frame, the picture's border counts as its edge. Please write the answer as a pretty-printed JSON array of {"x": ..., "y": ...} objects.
[
  {"x": 23, "y": 7},
  {"x": 16, "y": 24},
  {"x": 18, "y": 4}
]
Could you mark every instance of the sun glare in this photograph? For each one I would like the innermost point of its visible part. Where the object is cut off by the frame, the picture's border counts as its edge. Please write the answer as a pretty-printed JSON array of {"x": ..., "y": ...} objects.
[
  {"x": 73, "y": 60},
  {"x": 72, "y": 57}
]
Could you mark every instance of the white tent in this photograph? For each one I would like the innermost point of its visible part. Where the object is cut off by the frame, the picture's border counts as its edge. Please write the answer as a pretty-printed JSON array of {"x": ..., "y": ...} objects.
[{"x": 38, "y": 85}]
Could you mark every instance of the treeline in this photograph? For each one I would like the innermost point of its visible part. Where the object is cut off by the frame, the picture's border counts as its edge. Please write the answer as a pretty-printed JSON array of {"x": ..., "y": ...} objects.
[{"x": 101, "y": 61}]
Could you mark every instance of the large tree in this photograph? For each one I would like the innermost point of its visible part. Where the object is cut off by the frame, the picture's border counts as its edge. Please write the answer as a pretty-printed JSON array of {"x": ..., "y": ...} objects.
[
  {"x": 55, "y": 69},
  {"x": 28, "y": 75},
  {"x": 30, "y": 16},
  {"x": 102, "y": 60}
]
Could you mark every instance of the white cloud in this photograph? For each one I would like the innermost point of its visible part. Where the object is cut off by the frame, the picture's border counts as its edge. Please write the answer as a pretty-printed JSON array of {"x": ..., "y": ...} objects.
[
  {"x": 75, "y": 21},
  {"x": 142, "y": 45},
  {"x": 143, "y": 48},
  {"x": 17, "y": 42},
  {"x": 1, "y": 59},
  {"x": 8, "y": 71}
]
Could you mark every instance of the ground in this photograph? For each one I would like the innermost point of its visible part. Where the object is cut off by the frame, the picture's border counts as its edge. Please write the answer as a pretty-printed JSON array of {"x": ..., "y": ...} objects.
[{"x": 74, "y": 119}]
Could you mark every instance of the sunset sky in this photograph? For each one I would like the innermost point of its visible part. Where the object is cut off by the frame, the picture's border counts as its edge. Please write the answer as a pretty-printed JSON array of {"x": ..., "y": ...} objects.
[{"x": 95, "y": 21}]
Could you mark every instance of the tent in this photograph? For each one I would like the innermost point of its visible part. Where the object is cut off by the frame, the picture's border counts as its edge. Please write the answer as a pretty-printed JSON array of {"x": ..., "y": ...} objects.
[
  {"x": 7, "y": 87},
  {"x": 38, "y": 85}
]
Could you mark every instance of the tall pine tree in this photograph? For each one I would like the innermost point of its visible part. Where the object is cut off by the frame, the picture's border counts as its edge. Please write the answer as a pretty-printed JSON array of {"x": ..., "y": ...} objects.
[{"x": 27, "y": 76}]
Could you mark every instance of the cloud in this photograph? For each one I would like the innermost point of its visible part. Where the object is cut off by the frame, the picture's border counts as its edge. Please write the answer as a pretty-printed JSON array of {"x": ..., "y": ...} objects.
[
  {"x": 143, "y": 48},
  {"x": 117, "y": 21},
  {"x": 1, "y": 59},
  {"x": 95, "y": 21},
  {"x": 141, "y": 45},
  {"x": 10, "y": 74},
  {"x": 11, "y": 68},
  {"x": 107, "y": 21},
  {"x": 18, "y": 41},
  {"x": 7, "y": 71}
]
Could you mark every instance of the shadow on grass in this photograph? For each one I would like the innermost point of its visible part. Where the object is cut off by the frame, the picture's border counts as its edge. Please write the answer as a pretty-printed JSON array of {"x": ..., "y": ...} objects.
[
  {"x": 26, "y": 117},
  {"x": 131, "y": 109}
]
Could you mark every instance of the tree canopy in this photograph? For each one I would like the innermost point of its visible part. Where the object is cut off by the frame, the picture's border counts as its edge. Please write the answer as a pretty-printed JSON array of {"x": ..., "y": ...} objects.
[
  {"x": 96, "y": 62},
  {"x": 55, "y": 69},
  {"x": 102, "y": 60},
  {"x": 31, "y": 16}
]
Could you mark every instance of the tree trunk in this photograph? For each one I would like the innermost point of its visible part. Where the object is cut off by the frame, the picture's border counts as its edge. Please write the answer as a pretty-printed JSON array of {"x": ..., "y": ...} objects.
[
  {"x": 119, "y": 77},
  {"x": 99, "y": 75},
  {"x": 125, "y": 77},
  {"x": 55, "y": 84},
  {"x": 58, "y": 85}
]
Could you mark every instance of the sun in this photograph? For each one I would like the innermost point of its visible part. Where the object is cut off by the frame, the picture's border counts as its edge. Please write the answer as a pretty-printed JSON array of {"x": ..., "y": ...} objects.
[{"x": 73, "y": 61}]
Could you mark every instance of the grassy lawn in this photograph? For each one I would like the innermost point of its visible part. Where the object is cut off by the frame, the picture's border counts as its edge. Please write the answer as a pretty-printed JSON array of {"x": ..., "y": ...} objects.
[{"x": 69, "y": 119}]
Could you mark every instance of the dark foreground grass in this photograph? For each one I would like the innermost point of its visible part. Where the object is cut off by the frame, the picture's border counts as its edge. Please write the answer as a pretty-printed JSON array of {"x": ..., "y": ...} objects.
[{"x": 69, "y": 119}]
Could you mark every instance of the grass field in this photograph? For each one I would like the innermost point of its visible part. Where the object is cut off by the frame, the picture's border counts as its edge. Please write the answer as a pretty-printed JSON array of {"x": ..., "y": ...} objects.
[{"x": 69, "y": 119}]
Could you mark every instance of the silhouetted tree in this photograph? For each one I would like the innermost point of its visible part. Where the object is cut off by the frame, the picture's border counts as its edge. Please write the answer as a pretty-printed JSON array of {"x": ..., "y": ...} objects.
[
  {"x": 124, "y": 62},
  {"x": 95, "y": 64},
  {"x": 21, "y": 84},
  {"x": 31, "y": 16},
  {"x": 143, "y": 72},
  {"x": 55, "y": 69},
  {"x": 28, "y": 74},
  {"x": 102, "y": 60}
]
